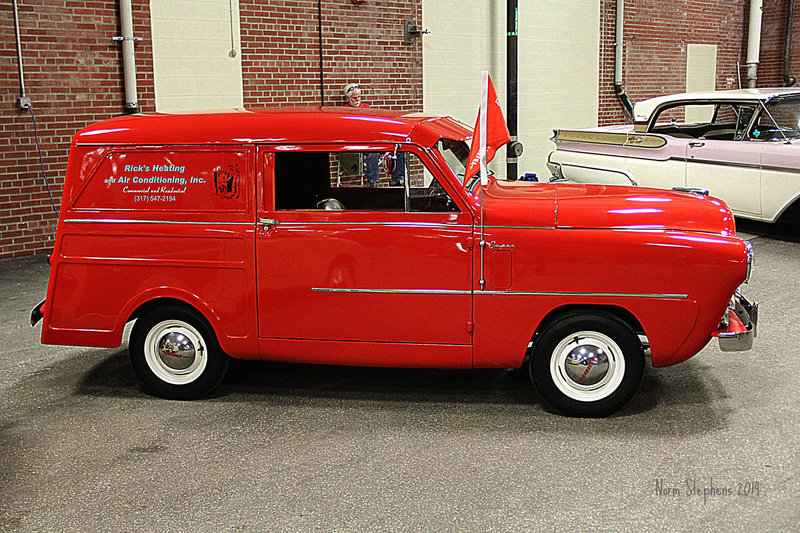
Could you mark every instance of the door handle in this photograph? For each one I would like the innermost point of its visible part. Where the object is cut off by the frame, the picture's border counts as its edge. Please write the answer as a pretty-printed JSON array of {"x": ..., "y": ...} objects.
[
  {"x": 696, "y": 144},
  {"x": 267, "y": 222}
]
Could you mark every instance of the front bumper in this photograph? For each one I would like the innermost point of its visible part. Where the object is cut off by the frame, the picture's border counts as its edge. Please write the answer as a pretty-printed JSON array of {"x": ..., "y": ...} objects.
[{"x": 739, "y": 325}]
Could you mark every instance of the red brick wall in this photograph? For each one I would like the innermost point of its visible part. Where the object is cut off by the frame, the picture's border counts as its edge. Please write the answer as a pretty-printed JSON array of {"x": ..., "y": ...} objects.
[
  {"x": 73, "y": 76},
  {"x": 656, "y": 35},
  {"x": 773, "y": 41},
  {"x": 362, "y": 43}
]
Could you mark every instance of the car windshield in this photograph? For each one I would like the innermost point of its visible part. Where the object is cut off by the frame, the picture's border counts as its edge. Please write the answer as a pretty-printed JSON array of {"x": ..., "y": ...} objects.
[
  {"x": 455, "y": 154},
  {"x": 779, "y": 121}
]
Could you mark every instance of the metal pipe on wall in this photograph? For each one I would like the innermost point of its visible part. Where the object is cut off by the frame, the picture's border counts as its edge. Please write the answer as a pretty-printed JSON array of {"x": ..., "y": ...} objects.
[
  {"x": 619, "y": 90},
  {"x": 511, "y": 86},
  {"x": 787, "y": 52},
  {"x": 753, "y": 41},
  {"x": 23, "y": 101},
  {"x": 128, "y": 56}
]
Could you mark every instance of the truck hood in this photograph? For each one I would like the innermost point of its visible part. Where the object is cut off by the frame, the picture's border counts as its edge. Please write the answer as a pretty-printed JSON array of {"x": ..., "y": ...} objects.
[
  {"x": 568, "y": 205},
  {"x": 620, "y": 207}
]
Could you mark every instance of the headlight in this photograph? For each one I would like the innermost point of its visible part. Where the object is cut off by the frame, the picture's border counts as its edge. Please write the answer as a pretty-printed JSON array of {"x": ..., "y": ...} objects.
[{"x": 749, "y": 253}]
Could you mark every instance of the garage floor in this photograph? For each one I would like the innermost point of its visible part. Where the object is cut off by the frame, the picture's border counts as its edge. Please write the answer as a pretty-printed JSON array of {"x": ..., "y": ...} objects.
[{"x": 709, "y": 445}]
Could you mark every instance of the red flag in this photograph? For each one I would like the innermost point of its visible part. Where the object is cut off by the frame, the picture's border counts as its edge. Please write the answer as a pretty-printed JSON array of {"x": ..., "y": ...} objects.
[{"x": 486, "y": 142}]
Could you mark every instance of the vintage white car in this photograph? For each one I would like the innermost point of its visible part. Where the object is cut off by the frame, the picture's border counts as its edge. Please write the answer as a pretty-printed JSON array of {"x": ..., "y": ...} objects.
[{"x": 743, "y": 146}]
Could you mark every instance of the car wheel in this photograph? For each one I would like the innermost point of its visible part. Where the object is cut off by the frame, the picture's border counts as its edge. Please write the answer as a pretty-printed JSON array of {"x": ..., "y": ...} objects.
[
  {"x": 176, "y": 354},
  {"x": 587, "y": 364}
]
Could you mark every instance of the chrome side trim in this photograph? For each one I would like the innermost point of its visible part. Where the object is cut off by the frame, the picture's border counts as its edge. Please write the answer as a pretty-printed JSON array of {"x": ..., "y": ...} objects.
[
  {"x": 131, "y": 221},
  {"x": 718, "y": 163},
  {"x": 588, "y": 294},
  {"x": 501, "y": 293},
  {"x": 641, "y": 140},
  {"x": 590, "y": 137},
  {"x": 625, "y": 173},
  {"x": 405, "y": 224},
  {"x": 391, "y": 291},
  {"x": 519, "y": 227},
  {"x": 738, "y": 165},
  {"x": 356, "y": 223},
  {"x": 781, "y": 169}
]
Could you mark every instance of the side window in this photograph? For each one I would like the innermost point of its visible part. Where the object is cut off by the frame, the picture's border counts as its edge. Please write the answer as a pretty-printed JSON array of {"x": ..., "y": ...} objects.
[
  {"x": 724, "y": 121},
  {"x": 357, "y": 181}
]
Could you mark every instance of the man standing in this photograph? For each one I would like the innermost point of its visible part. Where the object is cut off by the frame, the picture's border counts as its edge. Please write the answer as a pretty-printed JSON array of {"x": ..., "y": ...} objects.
[{"x": 352, "y": 98}]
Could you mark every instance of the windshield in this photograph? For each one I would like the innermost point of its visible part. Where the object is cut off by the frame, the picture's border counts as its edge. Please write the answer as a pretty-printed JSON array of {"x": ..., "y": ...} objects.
[
  {"x": 455, "y": 154},
  {"x": 780, "y": 120}
]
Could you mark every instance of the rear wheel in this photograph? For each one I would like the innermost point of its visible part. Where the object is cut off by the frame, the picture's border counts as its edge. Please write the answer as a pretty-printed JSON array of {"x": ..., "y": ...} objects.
[
  {"x": 587, "y": 364},
  {"x": 176, "y": 354}
]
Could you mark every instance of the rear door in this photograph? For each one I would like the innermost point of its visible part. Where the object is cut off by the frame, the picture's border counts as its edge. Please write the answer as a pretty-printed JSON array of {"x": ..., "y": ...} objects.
[{"x": 730, "y": 170}]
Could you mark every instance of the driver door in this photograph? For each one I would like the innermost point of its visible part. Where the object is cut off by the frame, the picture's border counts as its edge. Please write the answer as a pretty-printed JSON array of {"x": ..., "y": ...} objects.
[{"x": 377, "y": 265}]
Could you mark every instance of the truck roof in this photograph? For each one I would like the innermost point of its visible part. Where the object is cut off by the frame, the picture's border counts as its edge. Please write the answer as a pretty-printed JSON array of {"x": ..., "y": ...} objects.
[{"x": 279, "y": 125}]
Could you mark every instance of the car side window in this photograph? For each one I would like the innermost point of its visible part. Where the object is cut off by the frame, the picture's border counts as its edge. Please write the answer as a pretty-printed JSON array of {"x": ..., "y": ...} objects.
[
  {"x": 357, "y": 181},
  {"x": 722, "y": 121}
]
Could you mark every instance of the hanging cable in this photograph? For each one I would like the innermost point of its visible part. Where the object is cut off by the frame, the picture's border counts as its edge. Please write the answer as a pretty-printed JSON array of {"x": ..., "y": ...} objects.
[
  {"x": 41, "y": 160},
  {"x": 24, "y": 103},
  {"x": 321, "y": 71}
]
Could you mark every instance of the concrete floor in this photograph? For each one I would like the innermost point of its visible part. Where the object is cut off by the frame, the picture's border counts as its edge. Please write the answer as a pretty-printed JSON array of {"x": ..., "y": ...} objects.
[{"x": 303, "y": 448}]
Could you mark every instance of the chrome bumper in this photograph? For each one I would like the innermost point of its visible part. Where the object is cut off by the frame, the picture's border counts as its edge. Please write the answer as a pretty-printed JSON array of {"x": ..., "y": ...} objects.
[
  {"x": 739, "y": 325},
  {"x": 555, "y": 171},
  {"x": 36, "y": 313}
]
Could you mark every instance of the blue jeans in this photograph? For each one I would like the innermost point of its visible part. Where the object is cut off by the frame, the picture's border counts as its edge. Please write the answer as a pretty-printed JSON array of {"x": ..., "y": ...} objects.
[{"x": 373, "y": 172}]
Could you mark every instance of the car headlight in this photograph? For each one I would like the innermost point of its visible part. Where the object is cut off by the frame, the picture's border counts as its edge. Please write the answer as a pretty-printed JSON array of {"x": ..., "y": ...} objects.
[{"x": 750, "y": 256}]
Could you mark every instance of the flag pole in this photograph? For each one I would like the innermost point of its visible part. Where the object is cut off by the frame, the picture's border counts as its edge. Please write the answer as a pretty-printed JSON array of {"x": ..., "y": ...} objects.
[
  {"x": 482, "y": 155},
  {"x": 482, "y": 245}
]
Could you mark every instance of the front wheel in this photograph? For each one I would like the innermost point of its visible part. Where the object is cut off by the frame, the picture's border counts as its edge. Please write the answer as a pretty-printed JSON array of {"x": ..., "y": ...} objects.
[
  {"x": 176, "y": 354},
  {"x": 587, "y": 364}
]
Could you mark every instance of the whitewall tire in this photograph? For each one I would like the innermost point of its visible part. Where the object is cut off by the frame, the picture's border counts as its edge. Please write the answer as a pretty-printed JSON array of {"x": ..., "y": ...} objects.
[{"x": 587, "y": 364}]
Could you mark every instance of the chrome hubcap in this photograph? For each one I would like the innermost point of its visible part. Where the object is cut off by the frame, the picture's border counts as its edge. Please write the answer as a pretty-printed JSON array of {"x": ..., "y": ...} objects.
[
  {"x": 587, "y": 366},
  {"x": 176, "y": 352}
]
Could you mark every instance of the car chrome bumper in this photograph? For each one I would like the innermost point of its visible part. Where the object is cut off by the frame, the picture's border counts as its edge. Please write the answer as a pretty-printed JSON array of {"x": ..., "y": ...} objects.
[
  {"x": 36, "y": 313},
  {"x": 555, "y": 171},
  {"x": 739, "y": 326}
]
